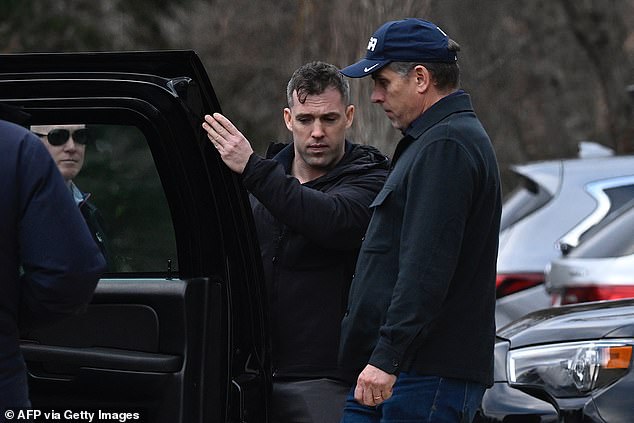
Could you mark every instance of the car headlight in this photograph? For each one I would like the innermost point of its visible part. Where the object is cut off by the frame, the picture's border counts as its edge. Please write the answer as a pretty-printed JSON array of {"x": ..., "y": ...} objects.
[{"x": 570, "y": 369}]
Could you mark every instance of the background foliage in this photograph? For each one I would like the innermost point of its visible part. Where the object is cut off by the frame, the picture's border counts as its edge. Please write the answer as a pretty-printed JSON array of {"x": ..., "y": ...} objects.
[{"x": 544, "y": 74}]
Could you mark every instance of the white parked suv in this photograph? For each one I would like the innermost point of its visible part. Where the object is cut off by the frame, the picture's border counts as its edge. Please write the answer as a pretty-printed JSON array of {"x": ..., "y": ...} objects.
[
  {"x": 554, "y": 205},
  {"x": 601, "y": 268}
]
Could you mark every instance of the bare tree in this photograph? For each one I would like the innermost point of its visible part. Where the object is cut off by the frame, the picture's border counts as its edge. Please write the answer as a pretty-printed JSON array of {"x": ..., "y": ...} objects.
[
  {"x": 83, "y": 25},
  {"x": 543, "y": 74},
  {"x": 602, "y": 34}
]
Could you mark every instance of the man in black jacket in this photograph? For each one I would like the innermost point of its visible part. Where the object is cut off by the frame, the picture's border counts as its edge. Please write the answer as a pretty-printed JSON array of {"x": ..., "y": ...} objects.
[
  {"x": 310, "y": 203},
  {"x": 419, "y": 331}
]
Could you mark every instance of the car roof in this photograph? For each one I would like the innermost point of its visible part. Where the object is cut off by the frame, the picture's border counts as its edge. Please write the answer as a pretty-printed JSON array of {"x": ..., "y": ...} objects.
[
  {"x": 578, "y": 171},
  {"x": 163, "y": 63}
]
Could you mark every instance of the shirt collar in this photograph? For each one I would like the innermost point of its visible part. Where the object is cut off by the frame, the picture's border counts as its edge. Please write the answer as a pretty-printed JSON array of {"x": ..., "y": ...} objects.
[{"x": 78, "y": 196}]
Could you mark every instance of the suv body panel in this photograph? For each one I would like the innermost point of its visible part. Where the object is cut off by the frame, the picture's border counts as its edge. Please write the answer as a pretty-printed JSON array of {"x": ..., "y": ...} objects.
[{"x": 180, "y": 346}]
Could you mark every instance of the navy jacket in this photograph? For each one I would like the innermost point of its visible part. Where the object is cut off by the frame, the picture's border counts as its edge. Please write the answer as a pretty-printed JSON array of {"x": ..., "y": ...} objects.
[
  {"x": 423, "y": 297},
  {"x": 309, "y": 237},
  {"x": 49, "y": 263}
]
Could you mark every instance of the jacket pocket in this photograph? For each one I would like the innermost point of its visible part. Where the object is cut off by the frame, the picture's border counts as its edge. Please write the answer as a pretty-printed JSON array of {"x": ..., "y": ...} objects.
[{"x": 380, "y": 233}]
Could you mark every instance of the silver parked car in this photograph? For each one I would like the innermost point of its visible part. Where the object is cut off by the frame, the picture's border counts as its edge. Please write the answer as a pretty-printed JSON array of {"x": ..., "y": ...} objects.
[
  {"x": 552, "y": 208},
  {"x": 601, "y": 268}
]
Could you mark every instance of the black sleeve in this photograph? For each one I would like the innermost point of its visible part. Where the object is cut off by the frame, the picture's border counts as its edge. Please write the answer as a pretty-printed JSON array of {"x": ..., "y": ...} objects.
[{"x": 337, "y": 218}]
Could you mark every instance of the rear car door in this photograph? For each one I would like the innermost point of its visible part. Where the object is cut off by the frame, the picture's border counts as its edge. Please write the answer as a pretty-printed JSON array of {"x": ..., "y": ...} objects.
[{"x": 176, "y": 330}]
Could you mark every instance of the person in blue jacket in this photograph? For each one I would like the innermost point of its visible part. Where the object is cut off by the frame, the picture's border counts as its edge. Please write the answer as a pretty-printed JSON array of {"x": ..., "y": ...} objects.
[
  {"x": 49, "y": 263},
  {"x": 419, "y": 330}
]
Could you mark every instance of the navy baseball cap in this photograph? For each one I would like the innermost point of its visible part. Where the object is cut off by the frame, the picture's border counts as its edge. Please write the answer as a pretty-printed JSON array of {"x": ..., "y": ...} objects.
[{"x": 407, "y": 40}]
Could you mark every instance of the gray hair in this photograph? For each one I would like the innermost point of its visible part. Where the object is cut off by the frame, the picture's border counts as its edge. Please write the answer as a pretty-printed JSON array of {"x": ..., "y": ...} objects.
[{"x": 446, "y": 75}]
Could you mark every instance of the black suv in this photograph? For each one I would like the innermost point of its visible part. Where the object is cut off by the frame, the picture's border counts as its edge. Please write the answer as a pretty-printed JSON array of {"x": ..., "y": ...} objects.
[{"x": 176, "y": 330}]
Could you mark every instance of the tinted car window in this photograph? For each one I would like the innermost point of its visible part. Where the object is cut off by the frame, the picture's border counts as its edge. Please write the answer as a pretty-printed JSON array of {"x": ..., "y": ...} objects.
[
  {"x": 620, "y": 198},
  {"x": 124, "y": 186},
  {"x": 527, "y": 197},
  {"x": 614, "y": 238}
]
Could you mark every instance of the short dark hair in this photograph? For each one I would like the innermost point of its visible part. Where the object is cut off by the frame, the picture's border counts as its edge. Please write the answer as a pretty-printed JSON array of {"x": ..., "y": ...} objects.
[
  {"x": 446, "y": 75},
  {"x": 314, "y": 78}
]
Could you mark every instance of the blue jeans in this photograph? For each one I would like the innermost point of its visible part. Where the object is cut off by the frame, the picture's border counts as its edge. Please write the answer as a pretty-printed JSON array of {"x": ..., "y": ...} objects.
[{"x": 420, "y": 399}]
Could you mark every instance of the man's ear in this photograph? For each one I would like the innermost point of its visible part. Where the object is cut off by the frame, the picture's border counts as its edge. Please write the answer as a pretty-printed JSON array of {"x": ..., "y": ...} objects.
[
  {"x": 288, "y": 118},
  {"x": 349, "y": 115},
  {"x": 423, "y": 78}
]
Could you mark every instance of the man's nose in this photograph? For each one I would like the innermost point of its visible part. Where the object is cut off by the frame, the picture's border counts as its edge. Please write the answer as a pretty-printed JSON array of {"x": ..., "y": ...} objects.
[
  {"x": 318, "y": 130},
  {"x": 377, "y": 96},
  {"x": 70, "y": 144}
]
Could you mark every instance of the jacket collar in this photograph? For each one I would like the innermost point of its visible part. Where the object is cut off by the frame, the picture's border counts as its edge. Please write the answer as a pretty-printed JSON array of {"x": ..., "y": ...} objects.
[
  {"x": 358, "y": 159},
  {"x": 456, "y": 102},
  {"x": 79, "y": 196}
]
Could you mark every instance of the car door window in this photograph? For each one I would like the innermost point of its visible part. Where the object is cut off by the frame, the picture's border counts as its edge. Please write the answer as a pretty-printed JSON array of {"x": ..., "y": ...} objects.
[
  {"x": 611, "y": 195},
  {"x": 121, "y": 179},
  {"x": 620, "y": 197},
  {"x": 610, "y": 239}
]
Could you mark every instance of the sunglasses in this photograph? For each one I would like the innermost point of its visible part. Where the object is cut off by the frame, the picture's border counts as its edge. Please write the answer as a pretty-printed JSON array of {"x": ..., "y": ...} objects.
[{"x": 59, "y": 136}]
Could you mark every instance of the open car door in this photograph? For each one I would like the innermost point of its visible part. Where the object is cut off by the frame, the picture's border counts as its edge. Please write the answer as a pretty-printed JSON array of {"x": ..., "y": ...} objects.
[{"x": 176, "y": 330}]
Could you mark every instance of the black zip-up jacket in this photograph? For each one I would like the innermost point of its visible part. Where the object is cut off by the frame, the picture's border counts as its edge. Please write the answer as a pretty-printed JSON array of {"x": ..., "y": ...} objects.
[
  {"x": 423, "y": 298},
  {"x": 309, "y": 237}
]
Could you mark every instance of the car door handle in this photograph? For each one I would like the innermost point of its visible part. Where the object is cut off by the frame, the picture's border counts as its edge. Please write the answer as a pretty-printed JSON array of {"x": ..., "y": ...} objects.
[{"x": 72, "y": 359}]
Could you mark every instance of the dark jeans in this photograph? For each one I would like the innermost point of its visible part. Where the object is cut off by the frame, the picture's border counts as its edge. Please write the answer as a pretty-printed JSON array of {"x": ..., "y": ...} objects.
[{"x": 420, "y": 399}]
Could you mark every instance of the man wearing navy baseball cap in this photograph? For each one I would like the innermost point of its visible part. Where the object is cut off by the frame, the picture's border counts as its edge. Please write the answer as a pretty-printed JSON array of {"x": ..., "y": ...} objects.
[
  {"x": 409, "y": 40},
  {"x": 418, "y": 334}
]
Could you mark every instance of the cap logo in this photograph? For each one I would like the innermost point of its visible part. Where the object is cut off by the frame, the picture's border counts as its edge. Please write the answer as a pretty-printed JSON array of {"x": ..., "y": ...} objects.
[
  {"x": 366, "y": 70},
  {"x": 372, "y": 43}
]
